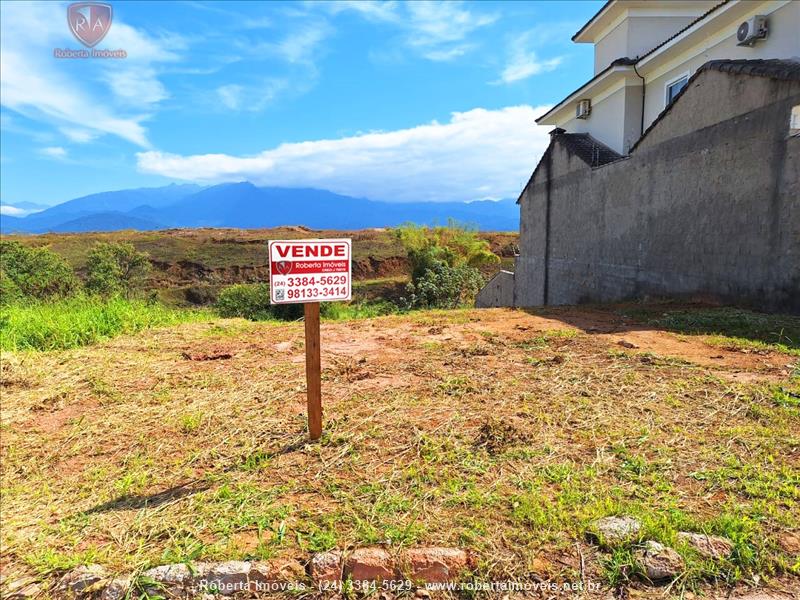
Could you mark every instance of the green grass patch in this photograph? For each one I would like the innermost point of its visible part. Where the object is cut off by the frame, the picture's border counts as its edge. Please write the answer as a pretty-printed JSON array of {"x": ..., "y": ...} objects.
[
  {"x": 81, "y": 321},
  {"x": 731, "y": 328}
]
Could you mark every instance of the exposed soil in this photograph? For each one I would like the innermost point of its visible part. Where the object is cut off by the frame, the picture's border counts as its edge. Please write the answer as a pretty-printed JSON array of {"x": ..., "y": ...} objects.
[{"x": 504, "y": 431}]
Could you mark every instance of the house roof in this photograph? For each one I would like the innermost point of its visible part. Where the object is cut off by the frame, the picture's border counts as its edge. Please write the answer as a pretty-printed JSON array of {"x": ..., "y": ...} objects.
[
  {"x": 593, "y": 19},
  {"x": 784, "y": 70},
  {"x": 620, "y": 62},
  {"x": 683, "y": 29},
  {"x": 596, "y": 154},
  {"x": 590, "y": 150},
  {"x": 627, "y": 60}
]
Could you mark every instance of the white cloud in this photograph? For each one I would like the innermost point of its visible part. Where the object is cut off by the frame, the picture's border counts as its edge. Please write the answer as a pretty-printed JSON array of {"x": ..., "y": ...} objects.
[
  {"x": 78, "y": 135},
  {"x": 373, "y": 10},
  {"x": 251, "y": 97},
  {"x": 12, "y": 211},
  {"x": 230, "y": 95},
  {"x": 522, "y": 61},
  {"x": 54, "y": 152},
  {"x": 43, "y": 88},
  {"x": 137, "y": 87},
  {"x": 301, "y": 45},
  {"x": 476, "y": 154},
  {"x": 436, "y": 30},
  {"x": 436, "y": 23}
]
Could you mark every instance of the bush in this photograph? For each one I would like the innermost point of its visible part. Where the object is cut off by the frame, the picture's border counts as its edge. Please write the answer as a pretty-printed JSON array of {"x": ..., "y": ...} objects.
[
  {"x": 456, "y": 245},
  {"x": 78, "y": 321},
  {"x": 443, "y": 286},
  {"x": 445, "y": 264},
  {"x": 116, "y": 268},
  {"x": 33, "y": 273},
  {"x": 251, "y": 301}
]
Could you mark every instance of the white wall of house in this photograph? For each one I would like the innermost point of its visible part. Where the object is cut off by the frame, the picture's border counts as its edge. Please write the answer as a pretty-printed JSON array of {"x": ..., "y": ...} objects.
[
  {"x": 605, "y": 123},
  {"x": 616, "y": 96},
  {"x": 783, "y": 42},
  {"x": 635, "y": 36},
  {"x": 613, "y": 46}
]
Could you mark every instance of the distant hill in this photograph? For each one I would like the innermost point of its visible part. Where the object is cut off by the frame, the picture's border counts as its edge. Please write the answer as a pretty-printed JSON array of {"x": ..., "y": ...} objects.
[
  {"x": 244, "y": 205},
  {"x": 105, "y": 221}
]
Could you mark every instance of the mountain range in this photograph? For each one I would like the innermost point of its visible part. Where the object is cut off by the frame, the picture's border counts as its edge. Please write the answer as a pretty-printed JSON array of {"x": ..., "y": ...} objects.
[{"x": 244, "y": 205}]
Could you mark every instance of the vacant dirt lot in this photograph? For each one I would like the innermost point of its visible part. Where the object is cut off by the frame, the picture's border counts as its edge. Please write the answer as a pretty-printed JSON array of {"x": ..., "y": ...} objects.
[{"x": 503, "y": 431}]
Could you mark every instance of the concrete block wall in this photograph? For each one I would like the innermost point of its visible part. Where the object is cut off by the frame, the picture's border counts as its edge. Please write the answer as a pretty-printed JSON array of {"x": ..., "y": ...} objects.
[{"x": 708, "y": 204}]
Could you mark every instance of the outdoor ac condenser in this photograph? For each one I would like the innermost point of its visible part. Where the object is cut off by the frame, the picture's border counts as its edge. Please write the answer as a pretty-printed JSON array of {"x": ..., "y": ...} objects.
[
  {"x": 583, "y": 109},
  {"x": 752, "y": 30}
]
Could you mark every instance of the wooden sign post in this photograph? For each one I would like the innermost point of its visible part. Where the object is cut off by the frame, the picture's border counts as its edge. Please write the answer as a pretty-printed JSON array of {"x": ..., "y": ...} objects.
[
  {"x": 313, "y": 370},
  {"x": 307, "y": 272}
]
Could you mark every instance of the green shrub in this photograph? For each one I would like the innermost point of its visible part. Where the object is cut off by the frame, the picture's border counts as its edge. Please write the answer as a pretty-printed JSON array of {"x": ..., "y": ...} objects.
[
  {"x": 456, "y": 245},
  {"x": 80, "y": 320},
  {"x": 251, "y": 301},
  {"x": 116, "y": 268},
  {"x": 35, "y": 273},
  {"x": 445, "y": 263},
  {"x": 443, "y": 286}
]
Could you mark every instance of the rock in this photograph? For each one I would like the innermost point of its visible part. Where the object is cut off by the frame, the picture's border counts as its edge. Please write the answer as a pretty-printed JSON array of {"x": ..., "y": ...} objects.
[
  {"x": 708, "y": 546},
  {"x": 172, "y": 575},
  {"x": 22, "y": 589},
  {"x": 615, "y": 531},
  {"x": 225, "y": 578},
  {"x": 80, "y": 580},
  {"x": 435, "y": 565},
  {"x": 326, "y": 567},
  {"x": 273, "y": 575},
  {"x": 116, "y": 589},
  {"x": 659, "y": 562},
  {"x": 370, "y": 564}
]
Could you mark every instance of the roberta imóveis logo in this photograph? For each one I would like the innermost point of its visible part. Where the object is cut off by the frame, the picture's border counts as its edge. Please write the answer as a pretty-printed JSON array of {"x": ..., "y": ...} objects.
[{"x": 89, "y": 22}]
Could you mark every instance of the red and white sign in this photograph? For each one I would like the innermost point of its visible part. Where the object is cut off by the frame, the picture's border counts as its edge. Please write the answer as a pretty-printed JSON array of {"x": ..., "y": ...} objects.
[{"x": 309, "y": 271}]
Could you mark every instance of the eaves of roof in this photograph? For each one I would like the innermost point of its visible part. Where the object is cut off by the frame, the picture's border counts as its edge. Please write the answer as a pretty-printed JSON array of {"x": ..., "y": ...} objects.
[{"x": 620, "y": 62}]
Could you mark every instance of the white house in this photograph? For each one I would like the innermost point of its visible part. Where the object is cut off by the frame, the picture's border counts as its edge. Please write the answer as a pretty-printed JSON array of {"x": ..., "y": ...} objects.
[{"x": 645, "y": 51}]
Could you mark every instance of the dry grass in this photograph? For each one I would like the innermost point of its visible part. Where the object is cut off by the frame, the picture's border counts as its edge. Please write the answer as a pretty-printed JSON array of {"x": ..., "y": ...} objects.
[{"x": 503, "y": 431}]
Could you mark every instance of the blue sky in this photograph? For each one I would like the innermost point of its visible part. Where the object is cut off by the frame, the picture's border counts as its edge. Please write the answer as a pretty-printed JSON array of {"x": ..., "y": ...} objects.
[{"x": 392, "y": 101}]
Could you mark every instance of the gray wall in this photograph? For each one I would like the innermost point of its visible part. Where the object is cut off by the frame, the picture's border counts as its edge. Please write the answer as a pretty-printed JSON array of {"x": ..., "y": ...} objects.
[{"x": 707, "y": 204}]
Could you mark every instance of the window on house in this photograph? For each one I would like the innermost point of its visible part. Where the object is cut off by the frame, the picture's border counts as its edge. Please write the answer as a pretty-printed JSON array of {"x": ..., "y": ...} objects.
[{"x": 675, "y": 87}]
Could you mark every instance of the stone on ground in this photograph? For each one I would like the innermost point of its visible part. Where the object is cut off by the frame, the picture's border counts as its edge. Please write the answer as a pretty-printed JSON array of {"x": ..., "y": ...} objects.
[
  {"x": 659, "y": 562},
  {"x": 615, "y": 531},
  {"x": 116, "y": 589},
  {"x": 266, "y": 576},
  {"x": 370, "y": 564},
  {"x": 709, "y": 546},
  {"x": 326, "y": 567},
  {"x": 225, "y": 578},
  {"x": 80, "y": 580},
  {"x": 435, "y": 565}
]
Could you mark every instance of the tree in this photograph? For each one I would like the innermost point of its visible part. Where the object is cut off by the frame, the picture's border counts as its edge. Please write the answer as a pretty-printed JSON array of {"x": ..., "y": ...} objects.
[
  {"x": 116, "y": 268},
  {"x": 37, "y": 273}
]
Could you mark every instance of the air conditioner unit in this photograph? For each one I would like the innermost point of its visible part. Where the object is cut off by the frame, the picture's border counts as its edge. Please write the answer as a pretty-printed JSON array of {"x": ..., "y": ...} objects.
[
  {"x": 583, "y": 109},
  {"x": 752, "y": 30}
]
